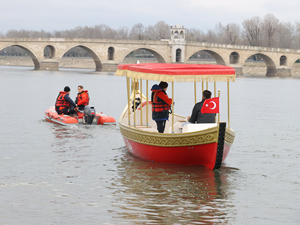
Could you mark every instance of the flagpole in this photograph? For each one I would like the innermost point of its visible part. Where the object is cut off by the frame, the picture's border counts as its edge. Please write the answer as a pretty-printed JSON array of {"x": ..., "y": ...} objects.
[
  {"x": 215, "y": 95},
  {"x": 195, "y": 88},
  {"x": 134, "y": 93},
  {"x": 173, "y": 107},
  {"x": 228, "y": 104},
  {"x": 219, "y": 106},
  {"x": 147, "y": 102},
  {"x": 141, "y": 95},
  {"x": 128, "y": 98}
]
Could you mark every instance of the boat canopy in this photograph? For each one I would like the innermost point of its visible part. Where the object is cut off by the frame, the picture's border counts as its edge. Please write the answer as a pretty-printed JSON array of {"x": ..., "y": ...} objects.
[{"x": 171, "y": 72}]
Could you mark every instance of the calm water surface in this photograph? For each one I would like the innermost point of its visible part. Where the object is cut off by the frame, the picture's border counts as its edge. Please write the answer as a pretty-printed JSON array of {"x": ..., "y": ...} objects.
[{"x": 51, "y": 174}]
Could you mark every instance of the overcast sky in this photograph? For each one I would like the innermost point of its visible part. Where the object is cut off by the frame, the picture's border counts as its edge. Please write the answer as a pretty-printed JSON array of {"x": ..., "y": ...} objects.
[{"x": 201, "y": 14}]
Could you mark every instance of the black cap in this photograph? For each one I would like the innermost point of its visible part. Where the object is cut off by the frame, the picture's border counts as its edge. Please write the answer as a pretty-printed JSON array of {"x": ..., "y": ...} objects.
[
  {"x": 67, "y": 89},
  {"x": 163, "y": 84}
]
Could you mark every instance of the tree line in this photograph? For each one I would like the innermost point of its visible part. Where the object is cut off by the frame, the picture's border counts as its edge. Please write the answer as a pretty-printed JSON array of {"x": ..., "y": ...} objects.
[{"x": 268, "y": 31}]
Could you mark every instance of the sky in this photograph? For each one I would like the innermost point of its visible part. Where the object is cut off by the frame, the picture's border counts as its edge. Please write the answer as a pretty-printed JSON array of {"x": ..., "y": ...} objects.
[{"x": 201, "y": 14}]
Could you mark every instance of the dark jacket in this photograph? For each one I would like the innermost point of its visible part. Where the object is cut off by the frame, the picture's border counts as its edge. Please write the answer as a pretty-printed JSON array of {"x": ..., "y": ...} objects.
[
  {"x": 199, "y": 117},
  {"x": 160, "y": 105},
  {"x": 68, "y": 99}
]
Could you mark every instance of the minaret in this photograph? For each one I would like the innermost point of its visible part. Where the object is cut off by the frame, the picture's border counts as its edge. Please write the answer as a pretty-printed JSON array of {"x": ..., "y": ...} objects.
[{"x": 177, "y": 43}]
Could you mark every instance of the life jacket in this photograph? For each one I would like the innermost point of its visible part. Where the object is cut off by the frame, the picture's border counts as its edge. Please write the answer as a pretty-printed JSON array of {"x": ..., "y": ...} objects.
[
  {"x": 61, "y": 103},
  {"x": 159, "y": 105},
  {"x": 83, "y": 98}
]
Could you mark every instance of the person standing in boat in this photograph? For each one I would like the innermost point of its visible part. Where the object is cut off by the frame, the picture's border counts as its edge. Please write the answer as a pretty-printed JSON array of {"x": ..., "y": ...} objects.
[
  {"x": 161, "y": 104},
  {"x": 199, "y": 117},
  {"x": 64, "y": 104},
  {"x": 82, "y": 98}
]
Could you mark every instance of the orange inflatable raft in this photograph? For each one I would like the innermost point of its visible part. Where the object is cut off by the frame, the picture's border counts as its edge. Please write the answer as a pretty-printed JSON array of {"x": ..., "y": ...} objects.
[{"x": 99, "y": 119}]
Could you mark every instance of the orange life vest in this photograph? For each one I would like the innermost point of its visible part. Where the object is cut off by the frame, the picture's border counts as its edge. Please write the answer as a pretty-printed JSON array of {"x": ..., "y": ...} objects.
[
  {"x": 159, "y": 105},
  {"x": 61, "y": 103},
  {"x": 83, "y": 98}
]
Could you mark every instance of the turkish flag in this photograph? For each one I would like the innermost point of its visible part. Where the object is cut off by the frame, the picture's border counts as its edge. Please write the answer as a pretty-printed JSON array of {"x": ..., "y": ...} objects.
[{"x": 210, "y": 105}]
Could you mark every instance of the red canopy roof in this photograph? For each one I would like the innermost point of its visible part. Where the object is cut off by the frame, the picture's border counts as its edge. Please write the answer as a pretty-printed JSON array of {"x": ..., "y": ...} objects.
[{"x": 177, "y": 72}]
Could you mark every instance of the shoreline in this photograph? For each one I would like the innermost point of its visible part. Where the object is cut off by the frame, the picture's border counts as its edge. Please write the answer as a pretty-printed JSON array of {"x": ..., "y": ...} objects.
[{"x": 250, "y": 69}]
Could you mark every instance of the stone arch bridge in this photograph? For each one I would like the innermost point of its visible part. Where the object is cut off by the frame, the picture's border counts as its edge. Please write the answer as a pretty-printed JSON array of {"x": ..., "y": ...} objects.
[{"x": 107, "y": 54}]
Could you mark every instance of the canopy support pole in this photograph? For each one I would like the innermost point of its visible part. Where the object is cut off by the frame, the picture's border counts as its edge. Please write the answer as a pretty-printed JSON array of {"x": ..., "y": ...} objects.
[
  {"x": 173, "y": 107},
  {"x": 215, "y": 95},
  {"x": 147, "y": 103},
  {"x": 141, "y": 96},
  {"x": 134, "y": 92},
  {"x": 195, "y": 88},
  {"x": 215, "y": 89},
  {"x": 128, "y": 98},
  {"x": 206, "y": 85},
  {"x": 202, "y": 86},
  {"x": 219, "y": 106},
  {"x": 228, "y": 104}
]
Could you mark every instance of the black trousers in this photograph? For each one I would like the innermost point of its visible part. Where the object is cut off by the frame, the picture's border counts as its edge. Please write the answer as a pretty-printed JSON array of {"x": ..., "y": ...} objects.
[
  {"x": 161, "y": 125},
  {"x": 81, "y": 107},
  {"x": 67, "y": 111}
]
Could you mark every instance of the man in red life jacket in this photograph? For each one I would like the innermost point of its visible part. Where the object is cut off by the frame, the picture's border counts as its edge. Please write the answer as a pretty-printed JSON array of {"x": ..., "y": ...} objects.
[
  {"x": 64, "y": 104},
  {"x": 82, "y": 98},
  {"x": 161, "y": 104}
]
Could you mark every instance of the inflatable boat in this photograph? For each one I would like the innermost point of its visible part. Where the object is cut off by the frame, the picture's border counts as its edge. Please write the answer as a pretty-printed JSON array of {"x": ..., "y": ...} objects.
[{"x": 87, "y": 116}]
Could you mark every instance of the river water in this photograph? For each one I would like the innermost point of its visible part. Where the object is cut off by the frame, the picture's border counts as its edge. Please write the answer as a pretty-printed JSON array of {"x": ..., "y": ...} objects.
[{"x": 50, "y": 174}]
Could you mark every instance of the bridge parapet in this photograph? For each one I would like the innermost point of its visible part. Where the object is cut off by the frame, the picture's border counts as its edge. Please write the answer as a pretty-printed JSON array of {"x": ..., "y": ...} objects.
[{"x": 108, "y": 53}]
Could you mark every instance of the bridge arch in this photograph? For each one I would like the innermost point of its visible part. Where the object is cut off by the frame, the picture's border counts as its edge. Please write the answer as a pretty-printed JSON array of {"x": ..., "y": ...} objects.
[
  {"x": 219, "y": 59},
  {"x": 156, "y": 54},
  {"x": 271, "y": 66},
  {"x": 283, "y": 60},
  {"x": 92, "y": 53},
  {"x": 49, "y": 51},
  {"x": 110, "y": 53},
  {"x": 35, "y": 60},
  {"x": 234, "y": 58}
]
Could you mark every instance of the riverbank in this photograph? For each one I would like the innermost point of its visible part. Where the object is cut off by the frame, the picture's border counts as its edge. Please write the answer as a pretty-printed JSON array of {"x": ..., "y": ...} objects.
[{"x": 259, "y": 68}]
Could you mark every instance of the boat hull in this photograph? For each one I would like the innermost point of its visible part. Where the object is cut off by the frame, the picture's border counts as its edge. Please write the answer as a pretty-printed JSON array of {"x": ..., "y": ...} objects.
[
  {"x": 197, "y": 148},
  {"x": 190, "y": 155}
]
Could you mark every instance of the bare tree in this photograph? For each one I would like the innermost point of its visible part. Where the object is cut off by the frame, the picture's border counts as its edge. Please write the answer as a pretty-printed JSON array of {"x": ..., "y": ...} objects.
[
  {"x": 285, "y": 37},
  {"x": 137, "y": 32},
  {"x": 162, "y": 30},
  {"x": 122, "y": 33},
  {"x": 228, "y": 34},
  {"x": 211, "y": 36},
  {"x": 195, "y": 35},
  {"x": 269, "y": 27},
  {"x": 252, "y": 30}
]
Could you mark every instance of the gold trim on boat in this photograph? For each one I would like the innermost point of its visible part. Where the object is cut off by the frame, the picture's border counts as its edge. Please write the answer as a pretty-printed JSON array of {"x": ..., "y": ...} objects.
[
  {"x": 170, "y": 140},
  {"x": 229, "y": 136}
]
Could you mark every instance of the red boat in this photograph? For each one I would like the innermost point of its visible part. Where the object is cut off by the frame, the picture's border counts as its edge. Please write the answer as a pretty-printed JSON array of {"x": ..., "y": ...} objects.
[
  {"x": 97, "y": 118},
  {"x": 189, "y": 144}
]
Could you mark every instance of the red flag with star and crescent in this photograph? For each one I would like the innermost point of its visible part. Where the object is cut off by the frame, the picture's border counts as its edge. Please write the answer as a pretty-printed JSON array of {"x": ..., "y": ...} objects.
[{"x": 211, "y": 105}]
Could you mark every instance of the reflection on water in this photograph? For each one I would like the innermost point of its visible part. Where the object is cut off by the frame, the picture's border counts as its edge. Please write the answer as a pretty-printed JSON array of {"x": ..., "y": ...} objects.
[{"x": 164, "y": 193}]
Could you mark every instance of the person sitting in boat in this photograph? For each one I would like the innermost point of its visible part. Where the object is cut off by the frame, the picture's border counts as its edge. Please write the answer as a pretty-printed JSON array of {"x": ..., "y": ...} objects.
[
  {"x": 82, "y": 98},
  {"x": 197, "y": 116},
  {"x": 64, "y": 104},
  {"x": 161, "y": 104}
]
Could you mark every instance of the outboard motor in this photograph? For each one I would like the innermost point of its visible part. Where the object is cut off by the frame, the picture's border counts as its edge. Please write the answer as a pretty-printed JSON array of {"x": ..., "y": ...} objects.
[{"x": 89, "y": 114}]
